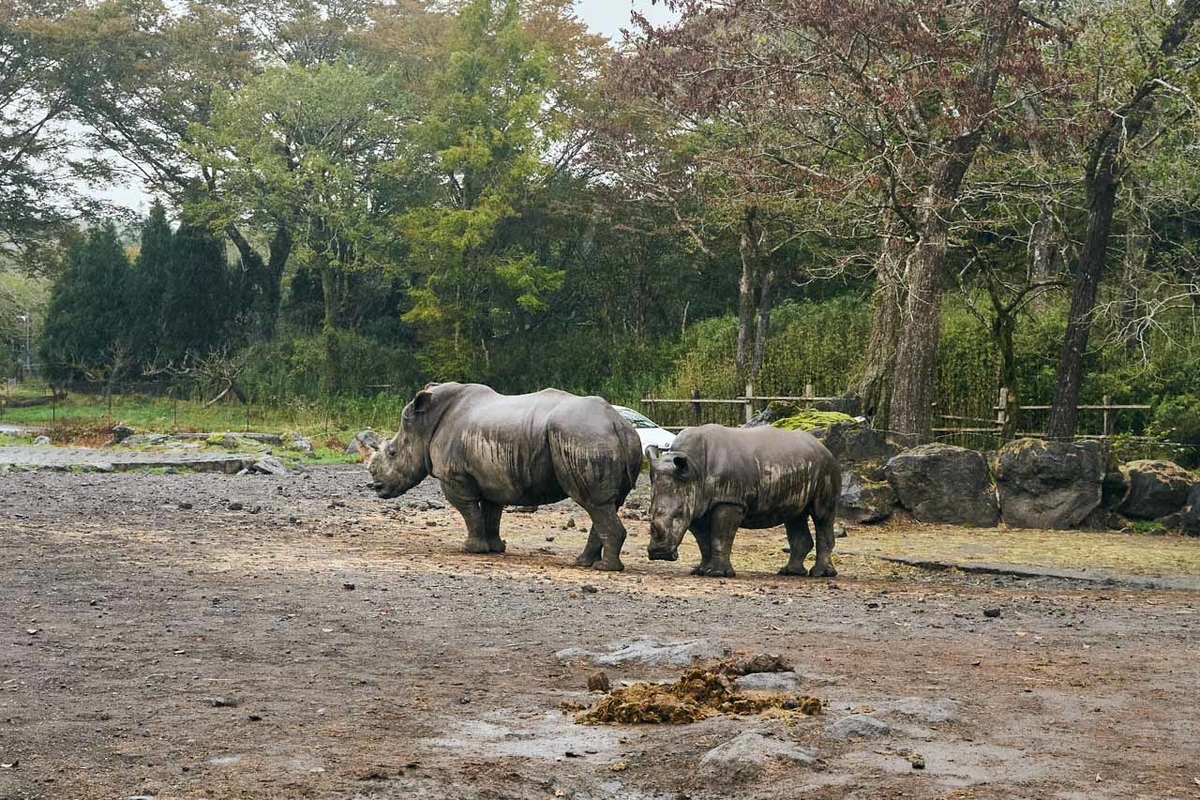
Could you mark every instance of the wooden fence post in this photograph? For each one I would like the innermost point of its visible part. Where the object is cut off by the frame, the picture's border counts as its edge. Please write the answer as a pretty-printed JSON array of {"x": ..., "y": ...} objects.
[
  {"x": 695, "y": 407},
  {"x": 808, "y": 392},
  {"x": 1002, "y": 404},
  {"x": 749, "y": 400},
  {"x": 1108, "y": 420}
]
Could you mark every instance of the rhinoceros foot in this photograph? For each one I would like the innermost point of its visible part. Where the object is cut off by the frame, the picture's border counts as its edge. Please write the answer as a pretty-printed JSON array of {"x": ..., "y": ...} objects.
[
  {"x": 718, "y": 572},
  {"x": 496, "y": 546},
  {"x": 585, "y": 560},
  {"x": 476, "y": 546},
  {"x": 700, "y": 569},
  {"x": 819, "y": 571},
  {"x": 609, "y": 566},
  {"x": 796, "y": 571}
]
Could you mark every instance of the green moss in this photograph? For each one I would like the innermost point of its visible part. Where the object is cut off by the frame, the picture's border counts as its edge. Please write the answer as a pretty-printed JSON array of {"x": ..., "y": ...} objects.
[{"x": 809, "y": 419}]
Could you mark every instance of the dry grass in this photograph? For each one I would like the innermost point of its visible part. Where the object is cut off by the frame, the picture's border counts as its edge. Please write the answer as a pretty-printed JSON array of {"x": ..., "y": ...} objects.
[{"x": 1138, "y": 554}]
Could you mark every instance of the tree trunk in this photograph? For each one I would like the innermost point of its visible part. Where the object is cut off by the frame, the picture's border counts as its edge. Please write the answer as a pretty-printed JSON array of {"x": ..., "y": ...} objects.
[
  {"x": 911, "y": 413},
  {"x": 766, "y": 302},
  {"x": 1103, "y": 177},
  {"x": 748, "y": 248},
  {"x": 1005, "y": 322},
  {"x": 1044, "y": 246},
  {"x": 1101, "y": 200},
  {"x": 1137, "y": 251},
  {"x": 875, "y": 386},
  {"x": 267, "y": 276}
]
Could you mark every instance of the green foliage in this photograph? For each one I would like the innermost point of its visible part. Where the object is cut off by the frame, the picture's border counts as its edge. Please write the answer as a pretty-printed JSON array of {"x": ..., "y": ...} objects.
[
  {"x": 1177, "y": 419},
  {"x": 292, "y": 368},
  {"x": 809, "y": 419},
  {"x": 196, "y": 305},
  {"x": 481, "y": 144},
  {"x": 87, "y": 323}
]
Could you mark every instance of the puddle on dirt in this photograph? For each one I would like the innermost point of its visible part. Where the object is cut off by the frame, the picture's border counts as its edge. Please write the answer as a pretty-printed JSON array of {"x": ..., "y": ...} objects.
[{"x": 550, "y": 736}]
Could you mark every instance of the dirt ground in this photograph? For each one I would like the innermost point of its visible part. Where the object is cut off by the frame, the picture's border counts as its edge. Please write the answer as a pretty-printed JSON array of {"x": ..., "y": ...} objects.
[{"x": 318, "y": 642}]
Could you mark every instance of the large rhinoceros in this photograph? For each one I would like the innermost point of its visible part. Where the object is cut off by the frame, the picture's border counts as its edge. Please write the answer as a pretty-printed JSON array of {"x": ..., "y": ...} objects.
[
  {"x": 714, "y": 480},
  {"x": 489, "y": 450}
]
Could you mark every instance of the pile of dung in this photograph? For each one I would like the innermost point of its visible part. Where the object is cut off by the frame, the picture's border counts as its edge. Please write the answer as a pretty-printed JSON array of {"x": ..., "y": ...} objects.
[{"x": 701, "y": 692}]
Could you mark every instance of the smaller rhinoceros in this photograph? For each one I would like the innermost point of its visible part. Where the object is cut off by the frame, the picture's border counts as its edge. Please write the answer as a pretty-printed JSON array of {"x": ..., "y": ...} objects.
[
  {"x": 714, "y": 480},
  {"x": 490, "y": 450}
]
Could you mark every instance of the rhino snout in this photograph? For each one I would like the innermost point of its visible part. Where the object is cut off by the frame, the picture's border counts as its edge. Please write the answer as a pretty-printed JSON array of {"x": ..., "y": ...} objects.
[{"x": 663, "y": 553}]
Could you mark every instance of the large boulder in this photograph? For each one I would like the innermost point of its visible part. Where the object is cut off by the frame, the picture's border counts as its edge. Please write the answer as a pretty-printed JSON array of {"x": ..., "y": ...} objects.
[
  {"x": 944, "y": 483},
  {"x": 853, "y": 442},
  {"x": 1156, "y": 489},
  {"x": 864, "y": 501},
  {"x": 1190, "y": 523},
  {"x": 1049, "y": 484},
  {"x": 1115, "y": 488},
  {"x": 364, "y": 444}
]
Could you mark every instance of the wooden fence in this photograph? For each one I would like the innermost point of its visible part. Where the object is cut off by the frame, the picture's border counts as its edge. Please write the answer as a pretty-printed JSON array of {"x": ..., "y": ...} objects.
[
  {"x": 677, "y": 413},
  {"x": 697, "y": 410}
]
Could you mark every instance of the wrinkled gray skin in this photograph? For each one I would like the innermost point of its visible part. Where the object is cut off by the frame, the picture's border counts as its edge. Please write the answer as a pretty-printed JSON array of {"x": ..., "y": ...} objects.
[
  {"x": 490, "y": 450},
  {"x": 715, "y": 480}
]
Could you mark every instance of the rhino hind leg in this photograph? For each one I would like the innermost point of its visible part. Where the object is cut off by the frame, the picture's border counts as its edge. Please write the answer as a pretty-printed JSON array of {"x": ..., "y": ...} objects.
[
  {"x": 825, "y": 538},
  {"x": 608, "y": 530},
  {"x": 591, "y": 550},
  {"x": 800, "y": 544},
  {"x": 491, "y": 525}
]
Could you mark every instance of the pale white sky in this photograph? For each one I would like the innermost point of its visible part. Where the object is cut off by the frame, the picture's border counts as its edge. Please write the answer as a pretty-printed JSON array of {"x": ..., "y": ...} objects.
[
  {"x": 603, "y": 16},
  {"x": 609, "y": 16}
]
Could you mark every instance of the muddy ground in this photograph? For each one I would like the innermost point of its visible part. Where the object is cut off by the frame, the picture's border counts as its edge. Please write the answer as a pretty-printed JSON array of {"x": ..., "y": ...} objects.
[{"x": 156, "y": 640}]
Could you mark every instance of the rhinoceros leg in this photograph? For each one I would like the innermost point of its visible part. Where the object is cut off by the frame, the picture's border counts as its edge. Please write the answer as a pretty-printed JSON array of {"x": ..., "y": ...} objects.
[
  {"x": 800, "y": 543},
  {"x": 467, "y": 503},
  {"x": 491, "y": 525},
  {"x": 724, "y": 520},
  {"x": 606, "y": 526},
  {"x": 703, "y": 533},
  {"x": 591, "y": 550},
  {"x": 825, "y": 537}
]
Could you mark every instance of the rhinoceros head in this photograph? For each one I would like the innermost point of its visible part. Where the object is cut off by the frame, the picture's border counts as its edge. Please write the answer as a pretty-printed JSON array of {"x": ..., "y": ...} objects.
[
  {"x": 674, "y": 490},
  {"x": 403, "y": 461}
]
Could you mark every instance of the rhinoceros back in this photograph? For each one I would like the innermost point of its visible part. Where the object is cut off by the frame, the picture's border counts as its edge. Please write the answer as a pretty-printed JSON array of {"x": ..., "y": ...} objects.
[
  {"x": 770, "y": 472},
  {"x": 537, "y": 448}
]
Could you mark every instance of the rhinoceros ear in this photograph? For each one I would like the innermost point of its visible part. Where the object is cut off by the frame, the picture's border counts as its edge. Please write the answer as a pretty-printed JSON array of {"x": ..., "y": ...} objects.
[
  {"x": 422, "y": 401},
  {"x": 681, "y": 465},
  {"x": 653, "y": 452}
]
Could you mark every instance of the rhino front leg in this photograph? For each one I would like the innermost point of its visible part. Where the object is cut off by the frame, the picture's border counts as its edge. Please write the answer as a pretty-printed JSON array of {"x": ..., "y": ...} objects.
[
  {"x": 724, "y": 522},
  {"x": 703, "y": 533},
  {"x": 491, "y": 525},
  {"x": 606, "y": 526},
  {"x": 800, "y": 544},
  {"x": 467, "y": 503}
]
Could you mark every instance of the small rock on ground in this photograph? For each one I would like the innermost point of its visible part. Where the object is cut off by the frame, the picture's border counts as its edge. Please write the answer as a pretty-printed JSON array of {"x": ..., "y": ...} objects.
[
  {"x": 769, "y": 682},
  {"x": 646, "y": 651},
  {"x": 858, "y": 726},
  {"x": 745, "y": 757}
]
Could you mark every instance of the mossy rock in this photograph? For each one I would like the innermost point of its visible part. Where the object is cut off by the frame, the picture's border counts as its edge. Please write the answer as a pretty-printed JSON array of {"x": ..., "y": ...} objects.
[{"x": 809, "y": 419}]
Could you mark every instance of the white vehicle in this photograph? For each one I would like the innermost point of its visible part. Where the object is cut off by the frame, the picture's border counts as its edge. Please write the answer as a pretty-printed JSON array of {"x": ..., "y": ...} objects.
[{"x": 647, "y": 430}]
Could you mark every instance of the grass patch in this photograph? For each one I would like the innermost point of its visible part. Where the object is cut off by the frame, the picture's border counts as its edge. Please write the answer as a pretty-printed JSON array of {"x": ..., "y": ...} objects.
[{"x": 331, "y": 423}]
